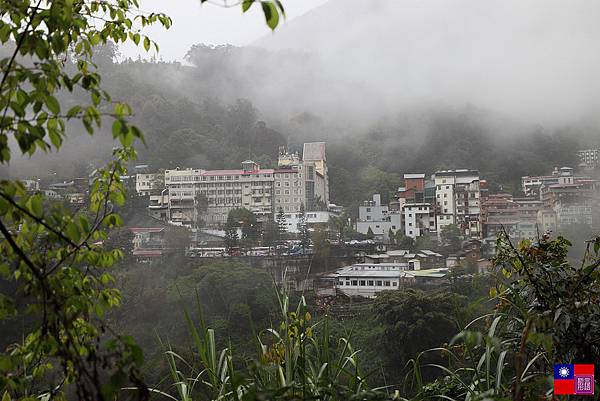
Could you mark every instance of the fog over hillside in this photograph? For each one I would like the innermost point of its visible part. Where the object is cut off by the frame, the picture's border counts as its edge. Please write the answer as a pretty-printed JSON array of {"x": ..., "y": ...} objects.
[
  {"x": 535, "y": 60},
  {"x": 413, "y": 72}
]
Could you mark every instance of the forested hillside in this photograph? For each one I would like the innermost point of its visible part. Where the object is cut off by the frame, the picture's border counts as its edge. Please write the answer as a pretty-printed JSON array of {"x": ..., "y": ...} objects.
[{"x": 191, "y": 117}]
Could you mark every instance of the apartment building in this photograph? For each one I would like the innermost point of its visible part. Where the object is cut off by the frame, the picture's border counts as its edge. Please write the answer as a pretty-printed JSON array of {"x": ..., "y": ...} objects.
[
  {"x": 315, "y": 152},
  {"x": 573, "y": 200},
  {"x": 458, "y": 201},
  {"x": 518, "y": 216},
  {"x": 589, "y": 158},
  {"x": 531, "y": 185},
  {"x": 210, "y": 195},
  {"x": 413, "y": 189},
  {"x": 149, "y": 183},
  {"x": 419, "y": 219}
]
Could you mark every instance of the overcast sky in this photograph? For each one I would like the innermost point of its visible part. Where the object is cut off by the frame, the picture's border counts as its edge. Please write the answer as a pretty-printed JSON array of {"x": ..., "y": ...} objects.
[{"x": 210, "y": 24}]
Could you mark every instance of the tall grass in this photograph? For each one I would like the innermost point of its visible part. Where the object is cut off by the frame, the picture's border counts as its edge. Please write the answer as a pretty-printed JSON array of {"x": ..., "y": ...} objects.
[{"x": 297, "y": 359}]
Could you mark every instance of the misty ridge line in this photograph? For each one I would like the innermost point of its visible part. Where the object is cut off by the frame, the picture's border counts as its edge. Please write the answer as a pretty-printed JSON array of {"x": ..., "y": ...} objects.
[{"x": 344, "y": 89}]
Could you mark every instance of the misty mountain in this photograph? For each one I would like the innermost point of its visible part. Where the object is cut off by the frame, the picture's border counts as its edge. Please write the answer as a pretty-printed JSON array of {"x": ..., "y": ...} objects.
[
  {"x": 535, "y": 60},
  {"x": 392, "y": 86}
]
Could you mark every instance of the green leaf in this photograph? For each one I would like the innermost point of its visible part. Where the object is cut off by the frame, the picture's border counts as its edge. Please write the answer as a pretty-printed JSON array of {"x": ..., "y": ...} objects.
[
  {"x": 95, "y": 98},
  {"x": 271, "y": 14},
  {"x": 35, "y": 206},
  {"x": 246, "y": 4},
  {"x": 41, "y": 118},
  {"x": 55, "y": 138},
  {"x": 146, "y": 43},
  {"x": 52, "y": 104},
  {"x": 73, "y": 232},
  {"x": 117, "y": 128},
  {"x": 73, "y": 111}
]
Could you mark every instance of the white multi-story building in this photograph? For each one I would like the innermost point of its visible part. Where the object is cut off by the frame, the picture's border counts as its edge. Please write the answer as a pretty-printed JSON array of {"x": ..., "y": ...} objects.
[
  {"x": 377, "y": 217},
  {"x": 418, "y": 219},
  {"x": 589, "y": 157},
  {"x": 149, "y": 183},
  {"x": 458, "y": 200}
]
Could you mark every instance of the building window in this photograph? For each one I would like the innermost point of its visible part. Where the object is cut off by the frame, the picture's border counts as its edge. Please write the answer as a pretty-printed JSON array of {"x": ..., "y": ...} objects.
[
  {"x": 362, "y": 283},
  {"x": 355, "y": 282},
  {"x": 394, "y": 284},
  {"x": 379, "y": 283},
  {"x": 386, "y": 283}
]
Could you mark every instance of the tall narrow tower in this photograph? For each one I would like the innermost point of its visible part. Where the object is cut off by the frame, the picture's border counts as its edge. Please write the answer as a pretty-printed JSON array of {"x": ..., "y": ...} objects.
[{"x": 315, "y": 152}]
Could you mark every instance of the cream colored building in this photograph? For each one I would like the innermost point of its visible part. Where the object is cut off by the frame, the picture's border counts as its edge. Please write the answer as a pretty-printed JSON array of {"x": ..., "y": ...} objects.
[
  {"x": 148, "y": 183},
  {"x": 209, "y": 195},
  {"x": 300, "y": 182}
]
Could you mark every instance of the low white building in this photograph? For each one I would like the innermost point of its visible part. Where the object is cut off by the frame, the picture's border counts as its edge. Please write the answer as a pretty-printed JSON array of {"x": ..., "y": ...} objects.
[
  {"x": 313, "y": 219},
  {"x": 369, "y": 279},
  {"x": 31, "y": 185},
  {"x": 366, "y": 280},
  {"x": 377, "y": 217}
]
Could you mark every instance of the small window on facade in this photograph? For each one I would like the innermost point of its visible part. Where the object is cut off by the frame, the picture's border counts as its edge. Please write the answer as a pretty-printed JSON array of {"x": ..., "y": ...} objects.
[
  {"x": 379, "y": 283},
  {"x": 370, "y": 282},
  {"x": 362, "y": 283}
]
